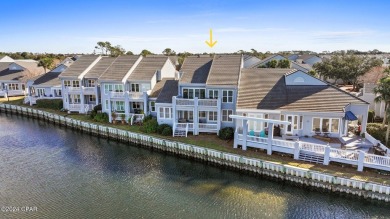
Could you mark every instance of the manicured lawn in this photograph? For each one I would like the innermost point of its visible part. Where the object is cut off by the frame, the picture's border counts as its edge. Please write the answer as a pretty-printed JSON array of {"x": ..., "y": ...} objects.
[{"x": 213, "y": 142}]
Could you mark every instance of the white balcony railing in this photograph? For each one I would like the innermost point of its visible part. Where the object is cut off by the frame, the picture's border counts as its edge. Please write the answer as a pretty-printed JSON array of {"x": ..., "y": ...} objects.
[
  {"x": 131, "y": 95},
  {"x": 207, "y": 127},
  {"x": 208, "y": 102},
  {"x": 135, "y": 95},
  {"x": 184, "y": 102},
  {"x": 89, "y": 89},
  {"x": 74, "y": 106},
  {"x": 73, "y": 89},
  {"x": 117, "y": 94}
]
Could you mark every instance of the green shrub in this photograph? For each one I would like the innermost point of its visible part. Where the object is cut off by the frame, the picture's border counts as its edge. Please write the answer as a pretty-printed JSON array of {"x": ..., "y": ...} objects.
[
  {"x": 150, "y": 126},
  {"x": 226, "y": 133},
  {"x": 371, "y": 116},
  {"x": 147, "y": 118},
  {"x": 161, "y": 127},
  {"x": 167, "y": 131},
  {"x": 97, "y": 108},
  {"x": 50, "y": 104},
  {"x": 101, "y": 117},
  {"x": 376, "y": 131}
]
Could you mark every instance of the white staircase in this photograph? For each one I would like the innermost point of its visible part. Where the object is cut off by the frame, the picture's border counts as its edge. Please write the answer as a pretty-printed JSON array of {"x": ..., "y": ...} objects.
[
  {"x": 311, "y": 157},
  {"x": 180, "y": 130}
]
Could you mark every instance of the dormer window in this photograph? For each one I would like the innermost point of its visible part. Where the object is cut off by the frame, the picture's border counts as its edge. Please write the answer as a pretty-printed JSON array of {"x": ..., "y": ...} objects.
[{"x": 299, "y": 80}]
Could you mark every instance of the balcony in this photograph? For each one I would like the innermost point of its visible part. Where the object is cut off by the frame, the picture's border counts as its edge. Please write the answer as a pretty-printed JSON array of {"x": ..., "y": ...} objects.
[
  {"x": 74, "y": 107},
  {"x": 199, "y": 102},
  {"x": 89, "y": 90},
  {"x": 73, "y": 89},
  {"x": 130, "y": 95}
]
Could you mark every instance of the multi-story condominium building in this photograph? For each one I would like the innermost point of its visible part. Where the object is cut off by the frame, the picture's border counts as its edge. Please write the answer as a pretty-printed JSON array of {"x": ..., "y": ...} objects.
[
  {"x": 80, "y": 82},
  {"x": 14, "y": 75},
  {"x": 204, "y": 96},
  {"x": 129, "y": 81},
  {"x": 46, "y": 86}
]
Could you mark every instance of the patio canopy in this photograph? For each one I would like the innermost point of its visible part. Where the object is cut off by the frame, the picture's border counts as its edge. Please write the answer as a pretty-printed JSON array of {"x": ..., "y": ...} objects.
[{"x": 350, "y": 116}]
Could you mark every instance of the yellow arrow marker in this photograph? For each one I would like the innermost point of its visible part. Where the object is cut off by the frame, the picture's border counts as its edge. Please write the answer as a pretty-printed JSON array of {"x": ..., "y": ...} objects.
[{"x": 211, "y": 43}]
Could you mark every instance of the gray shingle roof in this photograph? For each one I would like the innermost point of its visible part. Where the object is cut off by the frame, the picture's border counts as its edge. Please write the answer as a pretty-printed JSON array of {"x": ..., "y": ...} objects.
[
  {"x": 195, "y": 69},
  {"x": 146, "y": 69},
  {"x": 79, "y": 66},
  {"x": 265, "y": 88},
  {"x": 158, "y": 87},
  {"x": 48, "y": 79},
  {"x": 225, "y": 70},
  {"x": 169, "y": 90},
  {"x": 119, "y": 68},
  {"x": 31, "y": 70},
  {"x": 99, "y": 68}
]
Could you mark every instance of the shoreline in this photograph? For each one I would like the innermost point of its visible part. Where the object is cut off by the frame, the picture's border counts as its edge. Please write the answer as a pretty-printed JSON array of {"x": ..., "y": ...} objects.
[{"x": 296, "y": 175}]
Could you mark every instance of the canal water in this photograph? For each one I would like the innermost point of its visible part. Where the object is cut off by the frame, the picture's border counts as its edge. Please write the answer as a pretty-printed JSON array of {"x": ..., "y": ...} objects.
[{"x": 53, "y": 172}]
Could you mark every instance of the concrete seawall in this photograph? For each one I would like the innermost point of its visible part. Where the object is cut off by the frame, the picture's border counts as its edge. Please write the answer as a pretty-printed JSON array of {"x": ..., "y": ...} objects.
[{"x": 295, "y": 175}]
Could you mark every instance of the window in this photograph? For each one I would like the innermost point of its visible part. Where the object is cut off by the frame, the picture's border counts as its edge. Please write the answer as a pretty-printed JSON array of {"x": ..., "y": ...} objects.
[
  {"x": 152, "y": 106},
  {"x": 136, "y": 105},
  {"x": 266, "y": 123},
  {"x": 118, "y": 106},
  {"x": 191, "y": 93},
  {"x": 135, "y": 88},
  {"x": 226, "y": 114},
  {"x": 165, "y": 113},
  {"x": 91, "y": 83},
  {"x": 213, "y": 116},
  {"x": 76, "y": 83},
  {"x": 326, "y": 125},
  {"x": 67, "y": 83},
  {"x": 113, "y": 87},
  {"x": 13, "y": 87},
  {"x": 92, "y": 98},
  {"x": 107, "y": 105},
  {"x": 227, "y": 96},
  {"x": 202, "y": 114},
  {"x": 213, "y": 94},
  {"x": 281, "y": 119},
  {"x": 41, "y": 92},
  {"x": 255, "y": 125},
  {"x": 75, "y": 98},
  {"x": 299, "y": 80},
  {"x": 118, "y": 87}
]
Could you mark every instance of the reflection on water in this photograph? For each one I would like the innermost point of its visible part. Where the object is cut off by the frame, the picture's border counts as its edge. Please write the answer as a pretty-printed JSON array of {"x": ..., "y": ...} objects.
[{"x": 66, "y": 174}]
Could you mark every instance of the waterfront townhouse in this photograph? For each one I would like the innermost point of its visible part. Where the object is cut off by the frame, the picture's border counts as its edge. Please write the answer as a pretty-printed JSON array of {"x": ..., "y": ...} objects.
[
  {"x": 80, "y": 82},
  {"x": 302, "y": 106},
  {"x": 128, "y": 83},
  {"x": 45, "y": 86},
  {"x": 14, "y": 75},
  {"x": 204, "y": 96}
]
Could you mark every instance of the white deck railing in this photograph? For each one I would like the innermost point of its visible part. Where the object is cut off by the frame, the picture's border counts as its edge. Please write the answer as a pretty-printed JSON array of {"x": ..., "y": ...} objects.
[
  {"x": 377, "y": 160},
  {"x": 207, "y": 127},
  {"x": 208, "y": 102},
  {"x": 282, "y": 143},
  {"x": 184, "y": 102},
  {"x": 344, "y": 154},
  {"x": 74, "y": 106},
  {"x": 316, "y": 148}
]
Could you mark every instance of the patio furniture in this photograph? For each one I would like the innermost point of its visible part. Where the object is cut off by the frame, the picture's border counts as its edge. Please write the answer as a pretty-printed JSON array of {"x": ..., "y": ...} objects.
[
  {"x": 326, "y": 134},
  {"x": 290, "y": 137},
  {"x": 262, "y": 134}
]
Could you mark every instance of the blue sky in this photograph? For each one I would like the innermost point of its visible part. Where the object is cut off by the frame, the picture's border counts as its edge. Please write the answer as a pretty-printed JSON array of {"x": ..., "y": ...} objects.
[{"x": 76, "y": 26}]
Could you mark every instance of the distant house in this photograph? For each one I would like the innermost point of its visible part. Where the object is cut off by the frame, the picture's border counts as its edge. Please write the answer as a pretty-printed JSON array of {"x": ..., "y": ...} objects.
[
  {"x": 46, "y": 86},
  {"x": 4, "y": 58},
  {"x": 14, "y": 75},
  {"x": 311, "y": 106},
  {"x": 263, "y": 62},
  {"x": 250, "y": 61},
  {"x": 305, "y": 59},
  {"x": 369, "y": 82}
]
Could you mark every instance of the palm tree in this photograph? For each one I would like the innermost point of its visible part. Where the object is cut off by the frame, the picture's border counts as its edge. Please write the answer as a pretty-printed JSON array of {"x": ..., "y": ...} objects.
[
  {"x": 382, "y": 90},
  {"x": 46, "y": 63}
]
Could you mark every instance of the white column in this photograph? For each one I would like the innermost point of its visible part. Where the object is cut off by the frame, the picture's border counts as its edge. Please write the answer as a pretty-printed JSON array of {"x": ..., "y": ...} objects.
[
  {"x": 244, "y": 133},
  {"x": 327, "y": 155},
  {"x": 97, "y": 94},
  {"x": 361, "y": 160},
  {"x": 145, "y": 98},
  {"x": 219, "y": 112},
  {"x": 296, "y": 150},
  {"x": 196, "y": 116},
  {"x": 109, "y": 109},
  {"x": 173, "y": 110},
  {"x": 82, "y": 110},
  {"x": 270, "y": 138},
  {"x": 127, "y": 105}
]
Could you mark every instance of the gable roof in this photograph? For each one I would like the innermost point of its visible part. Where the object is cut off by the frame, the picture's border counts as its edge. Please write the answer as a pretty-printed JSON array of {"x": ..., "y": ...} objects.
[
  {"x": 158, "y": 87},
  {"x": 99, "y": 68},
  {"x": 79, "y": 66},
  {"x": 264, "y": 61},
  {"x": 30, "y": 70},
  {"x": 265, "y": 88},
  {"x": 169, "y": 90},
  {"x": 146, "y": 69},
  {"x": 195, "y": 69},
  {"x": 48, "y": 79},
  {"x": 225, "y": 70},
  {"x": 119, "y": 68}
]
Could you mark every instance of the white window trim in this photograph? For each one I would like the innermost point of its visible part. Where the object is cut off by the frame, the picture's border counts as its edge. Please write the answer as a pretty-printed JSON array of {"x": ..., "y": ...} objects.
[
  {"x": 151, "y": 107},
  {"x": 227, "y": 96},
  {"x": 330, "y": 124},
  {"x": 164, "y": 108},
  {"x": 227, "y": 110}
]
